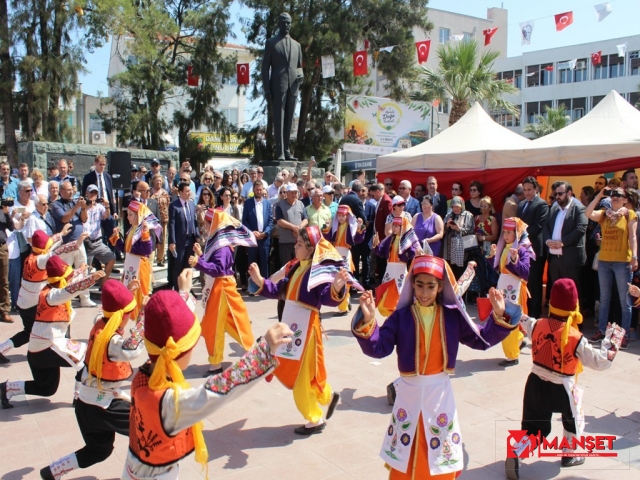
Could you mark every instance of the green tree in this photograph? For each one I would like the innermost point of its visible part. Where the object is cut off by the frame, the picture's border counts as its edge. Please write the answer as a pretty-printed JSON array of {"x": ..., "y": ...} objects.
[
  {"x": 465, "y": 76},
  {"x": 338, "y": 29},
  {"x": 7, "y": 82},
  {"x": 551, "y": 121},
  {"x": 161, "y": 41}
]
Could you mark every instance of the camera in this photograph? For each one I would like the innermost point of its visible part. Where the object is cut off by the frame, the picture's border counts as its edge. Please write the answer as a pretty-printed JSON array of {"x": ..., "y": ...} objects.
[
  {"x": 6, "y": 202},
  {"x": 607, "y": 192},
  {"x": 100, "y": 200},
  {"x": 88, "y": 202}
]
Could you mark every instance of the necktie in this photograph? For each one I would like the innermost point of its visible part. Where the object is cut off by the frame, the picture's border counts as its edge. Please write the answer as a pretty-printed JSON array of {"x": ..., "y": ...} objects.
[
  {"x": 526, "y": 205},
  {"x": 187, "y": 218},
  {"x": 101, "y": 186}
]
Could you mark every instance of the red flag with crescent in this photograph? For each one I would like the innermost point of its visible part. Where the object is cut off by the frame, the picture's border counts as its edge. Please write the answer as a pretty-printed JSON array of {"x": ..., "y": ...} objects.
[
  {"x": 360, "y": 63},
  {"x": 488, "y": 33},
  {"x": 242, "y": 72},
  {"x": 596, "y": 58},
  {"x": 192, "y": 80},
  {"x": 563, "y": 20},
  {"x": 423, "y": 50}
]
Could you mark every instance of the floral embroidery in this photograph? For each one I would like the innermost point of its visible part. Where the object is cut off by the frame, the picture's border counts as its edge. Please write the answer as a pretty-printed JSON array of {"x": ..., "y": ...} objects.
[
  {"x": 401, "y": 414},
  {"x": 253, "y": 364},
  {"x": 434, "y": 443},
  {"x": 405, "y": 439},
  {"x": 80, "y": 285},
  {"x": 390, "y": 430},
  {"x": 445, "y": 436},
  {"x": 137, "y": 334},
  {"x": 455, "y": 438},
  {"x": 442, "y": 419}
]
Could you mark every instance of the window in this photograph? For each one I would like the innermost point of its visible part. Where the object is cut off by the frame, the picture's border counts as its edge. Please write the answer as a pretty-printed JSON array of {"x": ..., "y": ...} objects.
[
  {"x": 517, "y": 80},
  {"x": 634, "y": 63},
  {"x": 544, "y": 105},
  {"x": 634, "y": 99},
  {"x": 231, "y": 114},
  {"x": 468, "y": 36},
  {"x": 580, "y": 72},
  {"x": 596, "y": 100},
  {"x": 444, "y": 35},
  {"x": 533, "y": 109},
  {"x": 616, "y": 66},
  {"x": 502, "y": 117},
  {"x": 533, "y": 76},
  {"x": 443, "y": 107},
  {"x": 600, "y": 72},
  {"x": 565, "y": 74},
  {"x": 578, "y": 108},
  {"x": 546, "y": 70},
  {"x": 511, "y": 76}
]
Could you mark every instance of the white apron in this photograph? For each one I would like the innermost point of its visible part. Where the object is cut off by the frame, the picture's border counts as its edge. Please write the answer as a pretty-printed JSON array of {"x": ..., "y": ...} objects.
[
  {"x": 432, "y": 396},
  {"x": 345, "y": 253},
  {"x": 72, "y": 351},
  {"x": 575, "y": 393},
  {"x": 395, "y": 271},
  {"x": 298, "y": 319},
  {"x": 131, "y": 268},
  {"x": 510, "y": 286}
]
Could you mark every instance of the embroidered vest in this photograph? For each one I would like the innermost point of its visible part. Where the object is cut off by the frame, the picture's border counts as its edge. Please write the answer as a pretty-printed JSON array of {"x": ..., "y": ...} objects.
[
  {"x": 545, "y": 338},
  {"x": 148, "y": 441},
  {"x": 111, "y": 371},
  {"x": 31, "y": 272},
  {"x": 49, "y": 313}
]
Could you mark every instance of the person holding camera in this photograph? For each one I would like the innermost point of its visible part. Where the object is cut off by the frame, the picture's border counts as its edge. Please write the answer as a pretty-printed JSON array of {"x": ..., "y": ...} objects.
[
  {"x": 66, "y": 210},
  {"x": 458, "y": 223},
  {"x": 8, "y": 184},
  {"x": 98, "y": 210}
]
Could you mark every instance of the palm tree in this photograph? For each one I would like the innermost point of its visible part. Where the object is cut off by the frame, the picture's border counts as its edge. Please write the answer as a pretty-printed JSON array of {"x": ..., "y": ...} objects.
[
  {"x": 553, "y": 120},
  {"x": 465, "y": 77}
]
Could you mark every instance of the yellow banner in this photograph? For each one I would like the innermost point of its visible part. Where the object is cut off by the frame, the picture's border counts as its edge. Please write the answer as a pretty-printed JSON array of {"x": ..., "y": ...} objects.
[{"x": 218, "y": 143}]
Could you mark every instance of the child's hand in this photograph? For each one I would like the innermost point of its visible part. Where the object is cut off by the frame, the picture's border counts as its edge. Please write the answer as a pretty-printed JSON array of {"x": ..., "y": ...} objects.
[
  {"x": 197, "y": 249},
  {"x": 497, "y": 301},
  {"x": 633, "y": 290},
  {"x": 494, "y": 249},
  {"x": 133, "y": 286},
  {"x": 193, "y": 260},
  {"x": 279, "y": 334},
  {"x": 340, "y": 280},
  {"x": 472, "y": 264},
  {"x": 368, "y": 306}
]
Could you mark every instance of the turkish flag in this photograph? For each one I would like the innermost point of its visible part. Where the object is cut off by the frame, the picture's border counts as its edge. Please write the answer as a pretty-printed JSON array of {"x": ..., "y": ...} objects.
[
  {"x": 423, "y": 50},
  {"x": 596, "y": 58},
  {"x": 488, "y": 33},
  {"x": 192, "y": 80},
  {"x": 563, "y": 20},
  {"x": 549, "y": 68},
  {"x": 360, "y": 63},
  {"x": 242, "y": 73}
]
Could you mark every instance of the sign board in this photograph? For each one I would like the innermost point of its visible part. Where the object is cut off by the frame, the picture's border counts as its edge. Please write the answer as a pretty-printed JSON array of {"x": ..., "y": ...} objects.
[
  {"x": 365, "y": 164},
  {"x": 95, "y": 123},
  {"x": 380, "y": 125},
  {"x": 218, "y": 143}
]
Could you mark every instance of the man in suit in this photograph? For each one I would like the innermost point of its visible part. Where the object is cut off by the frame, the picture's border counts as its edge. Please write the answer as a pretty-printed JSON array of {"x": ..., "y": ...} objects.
[
  {"x": 283, "y": 59},
  {"x": 353, "y": 200},
  {"x": 382, "y": 210},
  {"x": 182, "y": 231},
  {"x": 256, "y": 216},
  {"x": 439, "y": 199},
  {"x": 412, "y": 204},
  {"x": 564, "y": 236},
  {"x": 534, "y": 211}
]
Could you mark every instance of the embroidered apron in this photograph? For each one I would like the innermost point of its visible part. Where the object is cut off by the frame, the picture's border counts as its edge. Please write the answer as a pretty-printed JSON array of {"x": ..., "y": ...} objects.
[
  {"x": 71, "y": 351},
  {"x": 432, "y": 396},
  {"x": 298, "y": 319},
  {"x": 575, "y": 393}
]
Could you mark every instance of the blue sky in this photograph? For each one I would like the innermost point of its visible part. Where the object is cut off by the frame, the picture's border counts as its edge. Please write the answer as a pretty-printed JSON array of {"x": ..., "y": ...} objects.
[{"x": 621, "y": 22}]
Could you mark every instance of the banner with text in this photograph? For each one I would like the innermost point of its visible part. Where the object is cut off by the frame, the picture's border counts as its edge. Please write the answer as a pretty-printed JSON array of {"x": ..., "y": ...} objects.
[
  {"x": 380, "y": 125},
  {"x": 218, "y": 143}
]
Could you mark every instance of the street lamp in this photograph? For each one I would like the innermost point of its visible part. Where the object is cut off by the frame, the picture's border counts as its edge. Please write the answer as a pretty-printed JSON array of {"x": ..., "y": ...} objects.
[{"x": 433, "y": 110}]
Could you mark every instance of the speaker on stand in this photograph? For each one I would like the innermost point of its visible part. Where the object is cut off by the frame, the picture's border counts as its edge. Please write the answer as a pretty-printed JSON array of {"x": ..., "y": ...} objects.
[{"x": 119, "y": 164}]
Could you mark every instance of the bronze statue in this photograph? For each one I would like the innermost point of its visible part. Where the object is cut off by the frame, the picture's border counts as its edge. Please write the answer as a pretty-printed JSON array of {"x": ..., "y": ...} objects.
[{"x": 283, "y": 59}]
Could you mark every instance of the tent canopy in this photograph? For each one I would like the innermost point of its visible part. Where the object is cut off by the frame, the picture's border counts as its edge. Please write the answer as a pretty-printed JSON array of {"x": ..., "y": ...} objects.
[
  {"x": 610, "y": 131},
  {"x": 472, "y": 142}
]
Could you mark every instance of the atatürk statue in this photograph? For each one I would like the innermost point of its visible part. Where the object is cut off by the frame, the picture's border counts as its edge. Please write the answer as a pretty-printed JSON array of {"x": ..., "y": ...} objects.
[{"x": 283, "y": 58}]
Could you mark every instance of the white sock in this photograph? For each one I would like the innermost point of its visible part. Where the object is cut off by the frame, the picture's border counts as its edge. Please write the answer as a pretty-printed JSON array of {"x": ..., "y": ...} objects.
[
  {"x": 314, "y": 424},
  {"x": 76, "y": 390},
  {"x": 6, "y": 346},
  {"x": 64, "y": 465},
  {"x": 214, "y": 367},
  {"x": 14, "y": 389}
]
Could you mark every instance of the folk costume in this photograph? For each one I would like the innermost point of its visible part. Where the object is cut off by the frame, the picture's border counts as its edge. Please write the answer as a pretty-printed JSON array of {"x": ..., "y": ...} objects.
[
  {"x": 398, "y": 250},
  {"x": 49, "y": 349},
  {"x": 559, "y": 353},
  {"x": 138, "y": 248},
  {"x": 424, "y": 439},
  {"x": 166, "y": 412},
  {"x": 306, "y": 286},
  {"x": 102, "y": 409},
  {"x": 34, "y": 278},
  {"x": 224, "y": 309},
  {"x": 343, "y": 236},
  {"x": 513, "y": 280}
]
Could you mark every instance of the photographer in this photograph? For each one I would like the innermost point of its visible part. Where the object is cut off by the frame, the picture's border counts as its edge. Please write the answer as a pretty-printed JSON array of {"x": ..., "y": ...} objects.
[
  {"x": 66, "y": 210},
  {"x": 457, "y": 224},
  {"x": 98, "y": 209},
  {"x": 5, "y": 224},
  {"x": 8, "y": 184}
]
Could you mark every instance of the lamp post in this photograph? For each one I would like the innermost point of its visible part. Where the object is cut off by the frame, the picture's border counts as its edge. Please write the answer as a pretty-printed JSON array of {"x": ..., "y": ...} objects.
[{"x": 433, "y": 110}]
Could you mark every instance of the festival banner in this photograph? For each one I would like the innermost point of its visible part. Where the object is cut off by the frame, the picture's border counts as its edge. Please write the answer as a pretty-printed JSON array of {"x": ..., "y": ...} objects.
[{"x": 380, "y": 125}]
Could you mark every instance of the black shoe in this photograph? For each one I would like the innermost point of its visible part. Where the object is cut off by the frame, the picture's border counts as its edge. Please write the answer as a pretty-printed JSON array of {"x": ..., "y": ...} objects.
[
  {"x": 341, "y": 314},
  {"x": 310, "y": 431},
  {"x": 572, "y": 461},
  {"x": 509, "y": 363},
  {"x": 46, "y": 474},
  {"x": 512, "y": 468},
  {"x": 333, "y": 404},
  {"x": 115, "y": 270},
  {"x": 391, "y": 394},
  {"x": 161, "y": 264},
  {"x": 523, "y": 344},
  {"x": 3, "y": 396},
  {"x": 3, "y": 359},
  {"x": 349, "y": 307},
  {"x": 217, "y": 371}
]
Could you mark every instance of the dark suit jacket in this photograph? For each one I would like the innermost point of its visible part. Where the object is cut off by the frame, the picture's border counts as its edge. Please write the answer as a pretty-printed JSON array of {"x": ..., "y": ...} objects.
[
  {"x": 250, "y": 219},
  {"x": 178, "y": 223},
  {"x": 370, "y": 213},
  {"x": 285, "y": 66},
  {"x": 384, "y": 209},
  {"x": 91, "y": 178},
  {"x": 353, "y": 201},
  {"x": 440, "y": 204},
  {"x": 535, "y": 217},
  {"x": 574, "y": 228}
]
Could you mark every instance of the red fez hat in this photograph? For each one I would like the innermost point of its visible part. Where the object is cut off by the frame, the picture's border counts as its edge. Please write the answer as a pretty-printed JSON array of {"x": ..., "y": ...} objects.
[
  {"x": 134, "y": 206},
  {"x": 40, "y": 239},
  {"x": 56, "y": 267},
  {"x": 397, "y": 221},
  {"x": 509, "y": 224},
  {"x": 344, "y": 210},
  {"x": 314, "y": 235},
  {"x": 428, "y": 264},
  {"x": 208, "y": 216},
  {"x": 115, "y": 296},
  {"x": 167, "y": 315},
  {"x": 564, "y": 295}
]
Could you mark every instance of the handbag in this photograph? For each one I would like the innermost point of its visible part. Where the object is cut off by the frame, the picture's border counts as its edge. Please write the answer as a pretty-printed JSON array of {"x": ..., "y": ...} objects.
[
  {"x": 594, "y": 264},
  {"x": 22, "y": 242},
  {"x": 469, "y": 242}
]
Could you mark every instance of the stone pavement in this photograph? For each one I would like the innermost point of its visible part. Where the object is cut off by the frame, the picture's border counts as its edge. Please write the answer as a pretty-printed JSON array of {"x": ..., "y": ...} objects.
[{"x": 253, "y": 437}]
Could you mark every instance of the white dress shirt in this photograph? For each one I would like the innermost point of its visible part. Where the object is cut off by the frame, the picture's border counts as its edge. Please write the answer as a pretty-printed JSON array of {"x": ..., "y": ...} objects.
[{"x": 557, "y": 227}]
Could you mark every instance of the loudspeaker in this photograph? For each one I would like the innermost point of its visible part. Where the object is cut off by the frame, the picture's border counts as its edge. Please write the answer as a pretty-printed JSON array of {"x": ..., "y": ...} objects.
[{"x": 119, "y": 164}]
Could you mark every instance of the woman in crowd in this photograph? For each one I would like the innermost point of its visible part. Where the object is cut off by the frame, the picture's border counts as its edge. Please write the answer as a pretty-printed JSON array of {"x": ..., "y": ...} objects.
[
  {"x": 618, "y": 257},
  {"x": 475, "y": 195},
  {"x": 314, "y": 278},
  {"x": 206, "y": 201},
  {"x": 227, "y": 179},
  {"x": 161, "y": 196},
  {"x": 224, "y": 309},
  {"x": 429, "y": 226},
  {"x": 244, "y": 178},
  {"x": 206, "y": 180},
  {"x": 236, "y": 182},
  {"x": 225, "y": 202},
  {"x": 398, "y": 210},
  {"x": 486, "y": 226},
  {"x": 40, "y": 187},
  {"x": 458, "y": 223}
]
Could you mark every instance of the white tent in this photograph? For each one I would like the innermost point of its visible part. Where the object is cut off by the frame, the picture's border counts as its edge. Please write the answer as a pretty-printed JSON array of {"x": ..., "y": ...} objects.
[
  {"x": 470, "y": 144},
  {"x": 610, "y": 131}
]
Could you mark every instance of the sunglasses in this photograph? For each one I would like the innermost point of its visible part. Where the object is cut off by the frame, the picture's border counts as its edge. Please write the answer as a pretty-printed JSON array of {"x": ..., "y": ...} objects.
[
  {"x": 45, "y": 204},
  {"x": 400, "y": 205},
  {"x": 260, "y": 171},
  {"x": 559, "y": 194},
  {"x": 618, "y": 194},
  {"x": 29, "y": 190},
  {"x": 388, "y": 184},
  {"x": 206, "y": 194},
  {"x": 234, "y": 198}
]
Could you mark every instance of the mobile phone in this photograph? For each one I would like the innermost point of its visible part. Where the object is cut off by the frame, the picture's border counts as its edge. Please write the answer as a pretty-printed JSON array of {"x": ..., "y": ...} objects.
[{"x": 607, "y": 192}]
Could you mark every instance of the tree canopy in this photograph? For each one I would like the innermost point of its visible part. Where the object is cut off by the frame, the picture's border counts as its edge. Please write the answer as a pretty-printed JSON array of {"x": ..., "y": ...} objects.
[{"x": 552, "y": 120}]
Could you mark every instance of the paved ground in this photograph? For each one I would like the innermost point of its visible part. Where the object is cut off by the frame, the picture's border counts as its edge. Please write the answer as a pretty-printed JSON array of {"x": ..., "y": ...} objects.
[{"x": 253, "y": 437}]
